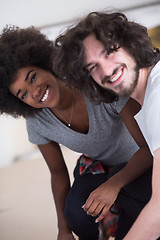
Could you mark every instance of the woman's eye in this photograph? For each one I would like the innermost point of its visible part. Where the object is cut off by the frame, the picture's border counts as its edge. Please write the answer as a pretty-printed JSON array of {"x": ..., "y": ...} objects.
[
  {"x": 33, "y": 78},
  {"x": 24, "y": 95}
]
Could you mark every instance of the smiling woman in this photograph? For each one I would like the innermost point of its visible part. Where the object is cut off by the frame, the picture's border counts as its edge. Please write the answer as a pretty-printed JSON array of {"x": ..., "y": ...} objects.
[
  {"x": 57, "y": 114},
  {"x": 20, "y": 45}
]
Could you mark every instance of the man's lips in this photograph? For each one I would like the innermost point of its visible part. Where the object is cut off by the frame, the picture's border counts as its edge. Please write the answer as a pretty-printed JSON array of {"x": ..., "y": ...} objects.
[{"x": 113, "y": 79}]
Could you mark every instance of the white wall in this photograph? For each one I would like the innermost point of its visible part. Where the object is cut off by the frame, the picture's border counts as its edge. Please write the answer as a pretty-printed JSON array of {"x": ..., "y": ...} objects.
[
  {"x": 53, "y": 16},
  {"x": 41, "y": 13},
  {"x": 13, "y": 140},
  {"x": 148, "y": 16}
]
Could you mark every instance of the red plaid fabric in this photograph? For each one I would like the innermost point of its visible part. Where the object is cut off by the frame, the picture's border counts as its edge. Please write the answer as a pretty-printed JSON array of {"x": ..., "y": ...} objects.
[
  {"x": 88, "y": 165},
  {"x": 108, "y": 226}
]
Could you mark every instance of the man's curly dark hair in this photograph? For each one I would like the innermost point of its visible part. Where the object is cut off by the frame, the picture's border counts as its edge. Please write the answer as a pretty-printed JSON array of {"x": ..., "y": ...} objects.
[
  {"x": 21, "y": 48},
  {"x": 112, "y": 29}
]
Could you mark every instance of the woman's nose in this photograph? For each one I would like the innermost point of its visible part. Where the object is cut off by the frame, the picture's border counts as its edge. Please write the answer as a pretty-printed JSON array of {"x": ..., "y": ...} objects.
[{"x": 35, "y": 91}]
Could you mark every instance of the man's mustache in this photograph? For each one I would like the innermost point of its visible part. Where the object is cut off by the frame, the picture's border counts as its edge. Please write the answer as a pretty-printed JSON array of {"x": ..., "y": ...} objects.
[{"x": 107, "y": 78}]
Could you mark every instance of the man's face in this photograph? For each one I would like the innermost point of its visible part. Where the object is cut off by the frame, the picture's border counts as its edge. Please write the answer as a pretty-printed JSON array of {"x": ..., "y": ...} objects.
[{"x": 116, "y": 71}]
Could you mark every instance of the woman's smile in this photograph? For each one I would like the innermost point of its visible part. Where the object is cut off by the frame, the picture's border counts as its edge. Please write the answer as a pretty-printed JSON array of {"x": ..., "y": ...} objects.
[{"x": 45, "y": 96}]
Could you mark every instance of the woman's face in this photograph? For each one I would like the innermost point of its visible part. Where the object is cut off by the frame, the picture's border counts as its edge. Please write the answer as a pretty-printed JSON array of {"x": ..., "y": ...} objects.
[{"x": 36, "y": 87}]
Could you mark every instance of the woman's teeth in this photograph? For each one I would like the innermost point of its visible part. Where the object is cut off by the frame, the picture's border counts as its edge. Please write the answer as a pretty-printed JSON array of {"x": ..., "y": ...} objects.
[
  {"x": 45, "y": 96},
  {"x": 115, "y": 77}
]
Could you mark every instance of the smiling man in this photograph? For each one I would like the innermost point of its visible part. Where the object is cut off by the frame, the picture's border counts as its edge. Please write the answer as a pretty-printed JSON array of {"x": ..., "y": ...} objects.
[
  {"x": 110, "y": 77},
  {"x": 115, "y": 57}
]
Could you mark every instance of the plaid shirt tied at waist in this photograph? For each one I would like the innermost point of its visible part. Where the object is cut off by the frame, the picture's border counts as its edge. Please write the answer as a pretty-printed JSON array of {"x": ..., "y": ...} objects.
[
  {"x": 108, "y": 226},
  {"x": 88, "y": 165}
]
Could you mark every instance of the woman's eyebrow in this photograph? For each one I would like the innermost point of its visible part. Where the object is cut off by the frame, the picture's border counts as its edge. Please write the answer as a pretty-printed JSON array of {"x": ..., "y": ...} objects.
[
  {"x": 18, "y": 92},
  {"x": 26, "y": 78}
]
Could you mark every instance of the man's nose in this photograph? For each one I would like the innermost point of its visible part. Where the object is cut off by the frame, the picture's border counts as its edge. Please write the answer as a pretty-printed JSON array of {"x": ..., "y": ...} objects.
[{"x": 106, "y": 69}]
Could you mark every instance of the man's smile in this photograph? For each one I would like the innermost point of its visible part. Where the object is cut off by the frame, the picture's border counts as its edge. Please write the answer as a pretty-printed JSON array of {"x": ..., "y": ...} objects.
[{"x": 114, "y": 79}]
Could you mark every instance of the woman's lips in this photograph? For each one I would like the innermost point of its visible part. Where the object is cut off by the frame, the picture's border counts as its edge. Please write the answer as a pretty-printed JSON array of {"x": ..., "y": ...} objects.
[{"x": 45, "y": 96}]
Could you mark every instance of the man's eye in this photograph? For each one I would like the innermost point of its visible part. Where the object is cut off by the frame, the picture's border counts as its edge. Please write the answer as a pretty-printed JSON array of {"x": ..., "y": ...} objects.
[
  {"x": 111, "y": 50},
  {"x": 33, "y": 78},
  {"x": 92, "y": 68},
  {"x": 24, "y": 95}
]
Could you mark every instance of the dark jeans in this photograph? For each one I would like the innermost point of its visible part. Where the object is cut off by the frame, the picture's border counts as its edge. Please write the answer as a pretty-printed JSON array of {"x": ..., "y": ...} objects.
[{"x": 132, "y": 199}]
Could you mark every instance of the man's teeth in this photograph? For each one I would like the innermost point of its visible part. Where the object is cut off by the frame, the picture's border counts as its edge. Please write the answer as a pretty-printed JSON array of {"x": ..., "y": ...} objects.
[
  {"x": 45, "y": 96},
  {"x": 116, "y": 77}
]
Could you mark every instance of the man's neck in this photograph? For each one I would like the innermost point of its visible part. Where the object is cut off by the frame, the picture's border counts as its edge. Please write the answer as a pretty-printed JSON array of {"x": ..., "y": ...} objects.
[{"x": 139, "y": 92}]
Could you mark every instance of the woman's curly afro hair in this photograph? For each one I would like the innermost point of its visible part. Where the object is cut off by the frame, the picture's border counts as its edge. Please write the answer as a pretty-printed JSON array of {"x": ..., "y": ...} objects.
[{"x": 21, "y": 48}]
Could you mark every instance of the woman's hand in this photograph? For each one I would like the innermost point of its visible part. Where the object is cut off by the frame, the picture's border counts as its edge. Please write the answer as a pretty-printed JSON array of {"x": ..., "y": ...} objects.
[{"x": 101, "y": 199}]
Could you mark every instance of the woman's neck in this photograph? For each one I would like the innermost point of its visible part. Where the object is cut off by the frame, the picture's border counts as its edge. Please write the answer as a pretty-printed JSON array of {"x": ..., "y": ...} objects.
[{"x": 66, "y": 97}]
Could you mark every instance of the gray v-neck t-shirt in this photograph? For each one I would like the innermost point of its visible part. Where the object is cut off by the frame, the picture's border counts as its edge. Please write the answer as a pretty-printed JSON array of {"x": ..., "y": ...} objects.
[{"x": 107, "y": 140}]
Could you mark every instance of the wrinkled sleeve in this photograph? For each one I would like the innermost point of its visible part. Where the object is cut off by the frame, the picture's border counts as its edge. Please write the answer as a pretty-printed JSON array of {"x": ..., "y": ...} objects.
[
  {"x": 149, "y": 120},
  {"x": 152, "y": 118},
  {"x": 35, "y": 134}
]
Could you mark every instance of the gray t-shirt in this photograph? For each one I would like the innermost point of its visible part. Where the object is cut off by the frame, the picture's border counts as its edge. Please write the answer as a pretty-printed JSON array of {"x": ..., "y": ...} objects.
[{"x": 107, "y": 140}]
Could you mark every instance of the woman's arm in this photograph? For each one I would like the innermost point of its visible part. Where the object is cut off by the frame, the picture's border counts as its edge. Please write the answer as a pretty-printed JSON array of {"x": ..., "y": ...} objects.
[
  {"x": 142, "y": 160},
  {"x": 101, "y": 199},
  {"x": 147, "y": 225},
  {"x": 60, "y": 184}
]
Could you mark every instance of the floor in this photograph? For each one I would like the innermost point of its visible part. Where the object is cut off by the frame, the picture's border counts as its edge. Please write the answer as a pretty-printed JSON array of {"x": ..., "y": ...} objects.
[
  {"x": 26, "y": 205},
  {"x": 27, "y": 210}
]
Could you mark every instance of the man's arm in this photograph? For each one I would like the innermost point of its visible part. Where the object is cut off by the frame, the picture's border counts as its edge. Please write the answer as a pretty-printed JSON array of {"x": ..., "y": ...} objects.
[
  {"x": 60, "y": 185},
  {"x": 147, "y": 225}
]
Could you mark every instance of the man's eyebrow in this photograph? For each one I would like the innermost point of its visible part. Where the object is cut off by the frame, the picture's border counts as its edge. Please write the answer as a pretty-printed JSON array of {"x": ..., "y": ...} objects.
[{"x": 26, "y": 78}]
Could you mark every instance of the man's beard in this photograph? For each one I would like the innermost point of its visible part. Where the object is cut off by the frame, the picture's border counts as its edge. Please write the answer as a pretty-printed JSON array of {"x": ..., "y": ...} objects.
[{"x": 127, "y": 92}]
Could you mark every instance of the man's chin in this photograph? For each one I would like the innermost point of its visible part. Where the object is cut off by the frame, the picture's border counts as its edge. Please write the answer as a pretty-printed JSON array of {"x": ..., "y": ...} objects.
[{"x": 124, "y": 93}]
